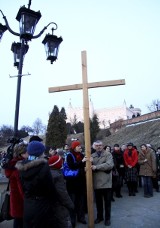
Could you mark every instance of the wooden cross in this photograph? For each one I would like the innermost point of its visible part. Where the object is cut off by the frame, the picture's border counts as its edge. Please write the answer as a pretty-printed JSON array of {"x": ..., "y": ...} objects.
[{"x": 85, "y": 86}]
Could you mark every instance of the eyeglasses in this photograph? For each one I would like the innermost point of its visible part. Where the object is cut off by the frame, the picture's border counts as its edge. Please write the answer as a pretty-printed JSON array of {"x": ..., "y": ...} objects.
[{"x": 99, "y": 145}]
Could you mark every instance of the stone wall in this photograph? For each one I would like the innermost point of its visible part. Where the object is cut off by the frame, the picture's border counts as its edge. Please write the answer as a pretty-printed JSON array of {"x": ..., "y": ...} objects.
[{"x": 142, "y": 118}]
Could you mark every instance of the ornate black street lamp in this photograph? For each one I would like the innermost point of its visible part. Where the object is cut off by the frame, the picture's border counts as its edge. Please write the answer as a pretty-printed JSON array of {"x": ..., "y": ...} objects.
[
  {"x": 28, "y": 20},
  {"x": 3, "y": 28}
]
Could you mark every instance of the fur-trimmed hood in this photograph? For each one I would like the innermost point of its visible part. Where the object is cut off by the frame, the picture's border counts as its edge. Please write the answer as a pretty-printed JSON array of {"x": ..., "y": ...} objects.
[
  {"x": 30, "y": 168},
  {"x": 25, "y": 165}
]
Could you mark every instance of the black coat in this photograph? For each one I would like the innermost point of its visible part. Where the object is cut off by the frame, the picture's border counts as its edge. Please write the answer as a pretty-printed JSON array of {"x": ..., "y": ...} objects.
[
  {"x": 119, "y": 162},
  {"x": 78, "y": 184},
  {"x": 39, "y": 193}
]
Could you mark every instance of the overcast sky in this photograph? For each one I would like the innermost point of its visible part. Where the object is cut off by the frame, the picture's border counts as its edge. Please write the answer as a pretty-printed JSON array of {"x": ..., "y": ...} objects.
[{"x": 122, "y": 41}]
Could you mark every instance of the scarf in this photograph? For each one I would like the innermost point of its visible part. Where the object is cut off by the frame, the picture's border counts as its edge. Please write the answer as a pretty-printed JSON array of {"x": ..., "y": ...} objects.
[
  {"x": 117, "y": 151},
  {"x": 99, "y": 153},
  {"x": 78, "y": 156},
  {"x": 129, "y": 153}
]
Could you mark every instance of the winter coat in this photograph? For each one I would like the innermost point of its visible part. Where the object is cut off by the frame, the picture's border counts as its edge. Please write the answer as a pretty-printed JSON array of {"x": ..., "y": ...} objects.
[
  {"x": 119, "y": 162},
  {"x": 102, "y": 176},
  {"x": 147, "y": 168},
  {"x": 131, "y": 160},
  {"x": 158, "y": 160},
  {"x": 78, "y": 184},
  {"x": 39, "y": 193},
  {"x": 64, "y": 204},
  {"x": 16, "y": 191}
]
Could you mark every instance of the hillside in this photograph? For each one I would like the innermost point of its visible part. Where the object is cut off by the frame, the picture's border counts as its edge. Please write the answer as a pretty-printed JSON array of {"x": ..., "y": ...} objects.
[
  {"x": 146, "y": 132},
  {"x": 142, "y": 132}
]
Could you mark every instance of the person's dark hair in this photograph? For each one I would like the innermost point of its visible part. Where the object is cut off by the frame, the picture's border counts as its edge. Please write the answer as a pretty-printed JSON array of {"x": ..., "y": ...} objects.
[
  {"x": 135, "y": 147},
  {"x": 143, "y": 145},
  {"x": 105, "y": 147}
]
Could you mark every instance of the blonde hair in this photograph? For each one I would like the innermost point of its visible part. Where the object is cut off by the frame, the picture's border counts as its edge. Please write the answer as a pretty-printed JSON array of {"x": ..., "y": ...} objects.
[{"x": 20, "y": 148}]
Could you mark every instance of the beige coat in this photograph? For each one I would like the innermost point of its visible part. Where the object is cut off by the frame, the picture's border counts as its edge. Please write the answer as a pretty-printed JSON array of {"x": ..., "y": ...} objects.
[
  {"x": 104, "y": 163},
  {"x": 147, "y": 168}
]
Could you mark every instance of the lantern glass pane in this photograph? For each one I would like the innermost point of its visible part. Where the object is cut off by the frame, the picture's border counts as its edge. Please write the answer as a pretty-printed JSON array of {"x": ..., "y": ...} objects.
[
  {"x": 27, "y": 24},
  {"x": 51, "y": 48}
]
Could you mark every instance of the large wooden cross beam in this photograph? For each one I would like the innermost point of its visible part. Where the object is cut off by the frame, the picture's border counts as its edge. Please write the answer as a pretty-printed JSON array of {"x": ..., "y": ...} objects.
[
  {"x": 89, "y": 85},
  {"x": 85, "y": 86}
]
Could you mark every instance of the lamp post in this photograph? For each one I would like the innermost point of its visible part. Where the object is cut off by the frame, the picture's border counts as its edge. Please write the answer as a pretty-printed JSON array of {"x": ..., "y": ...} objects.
[{"x": 27, "y": 23}]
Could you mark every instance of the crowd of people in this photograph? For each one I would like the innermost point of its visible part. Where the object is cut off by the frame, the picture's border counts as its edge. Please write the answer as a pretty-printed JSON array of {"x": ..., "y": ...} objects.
[{"x": 40, "y": 195}]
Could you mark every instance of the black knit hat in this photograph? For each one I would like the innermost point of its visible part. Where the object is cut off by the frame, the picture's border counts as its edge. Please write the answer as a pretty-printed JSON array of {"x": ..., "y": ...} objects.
[
  {"x": 35, "y": 138},
  {"x": 116, "y": 145},
  {"x": 130, "y": 144}
]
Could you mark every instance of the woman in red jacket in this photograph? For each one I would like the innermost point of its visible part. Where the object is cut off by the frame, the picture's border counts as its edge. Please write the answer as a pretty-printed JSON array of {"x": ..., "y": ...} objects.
[
  {"x": 131, "y": 160},
  {"x": 15, "y": 187}
]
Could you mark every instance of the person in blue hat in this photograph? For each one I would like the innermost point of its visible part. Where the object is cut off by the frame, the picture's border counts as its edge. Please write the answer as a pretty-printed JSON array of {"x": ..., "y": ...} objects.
[{"x": 38, "y": 187}]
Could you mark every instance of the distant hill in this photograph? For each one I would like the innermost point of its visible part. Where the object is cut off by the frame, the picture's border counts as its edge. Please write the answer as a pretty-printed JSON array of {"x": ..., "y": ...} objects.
[{"x": 143, "y": 132}]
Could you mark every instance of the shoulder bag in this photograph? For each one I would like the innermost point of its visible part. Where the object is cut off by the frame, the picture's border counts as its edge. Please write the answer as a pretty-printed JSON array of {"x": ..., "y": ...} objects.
[
  {"x": 5, "y": 210},
  {"x": 69, "y": 173}
]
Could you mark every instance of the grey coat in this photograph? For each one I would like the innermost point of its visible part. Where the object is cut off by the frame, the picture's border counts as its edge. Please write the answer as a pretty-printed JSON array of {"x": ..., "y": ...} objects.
[
  {"x": 102, "y": 176},
  {"x": 64, "y": 203}
]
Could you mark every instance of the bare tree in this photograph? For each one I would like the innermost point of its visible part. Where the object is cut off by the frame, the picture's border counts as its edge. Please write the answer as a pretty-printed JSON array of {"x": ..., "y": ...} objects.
[
  {"x": 154, "y": 106},
  {"x": 38, "y": 126},
  {"x": 104, "y": 123},
  {"x": 5, "y": 133},
  {"x": 74, "y": 123},
  {"x": 27, "y": 129}
]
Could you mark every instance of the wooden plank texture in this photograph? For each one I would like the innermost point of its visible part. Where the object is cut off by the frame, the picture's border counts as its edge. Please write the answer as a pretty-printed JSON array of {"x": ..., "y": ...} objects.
[{"x": 89, "y": 85}]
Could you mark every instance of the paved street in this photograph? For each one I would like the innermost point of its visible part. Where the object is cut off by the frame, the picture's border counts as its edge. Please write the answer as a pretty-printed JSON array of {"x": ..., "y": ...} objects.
[{"x": 128, "y": 212}]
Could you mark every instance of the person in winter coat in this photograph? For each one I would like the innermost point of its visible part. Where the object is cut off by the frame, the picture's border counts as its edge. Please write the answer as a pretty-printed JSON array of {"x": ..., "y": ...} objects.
[
  {"x": 131, "y": 159},
  {"x": 76, "y": 187},
  {"x": 115, "y": 175},
  {"x": 64, "y": 203},
  {"x": 119, "y": 165},
  {"x": 155, "y": 177},
  {"x": 158, "y": 162},
  {"x": 38, "y": 187},
  {"x": 147, "y": 161},
  {"x": 15, "y": 186},
  {"x": 102, "y": 164}
]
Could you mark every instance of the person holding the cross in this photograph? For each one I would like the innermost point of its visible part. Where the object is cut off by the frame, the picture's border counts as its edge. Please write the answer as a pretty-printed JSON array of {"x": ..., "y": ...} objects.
[
  {"x": 102, "y": 164},
  {"x": 76, "y": 187}
]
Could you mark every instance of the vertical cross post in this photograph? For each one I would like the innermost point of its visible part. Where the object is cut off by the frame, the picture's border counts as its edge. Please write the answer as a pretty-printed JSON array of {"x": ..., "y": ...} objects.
[{"x": 89, "y": 181}]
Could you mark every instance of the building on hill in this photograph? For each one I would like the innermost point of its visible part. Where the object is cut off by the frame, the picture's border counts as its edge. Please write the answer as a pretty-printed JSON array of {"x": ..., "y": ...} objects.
[{"x": 106, "y": 116}]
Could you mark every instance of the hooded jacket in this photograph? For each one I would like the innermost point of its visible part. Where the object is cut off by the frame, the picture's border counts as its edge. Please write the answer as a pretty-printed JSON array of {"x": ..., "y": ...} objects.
[{"x": 39, "y": 193}]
